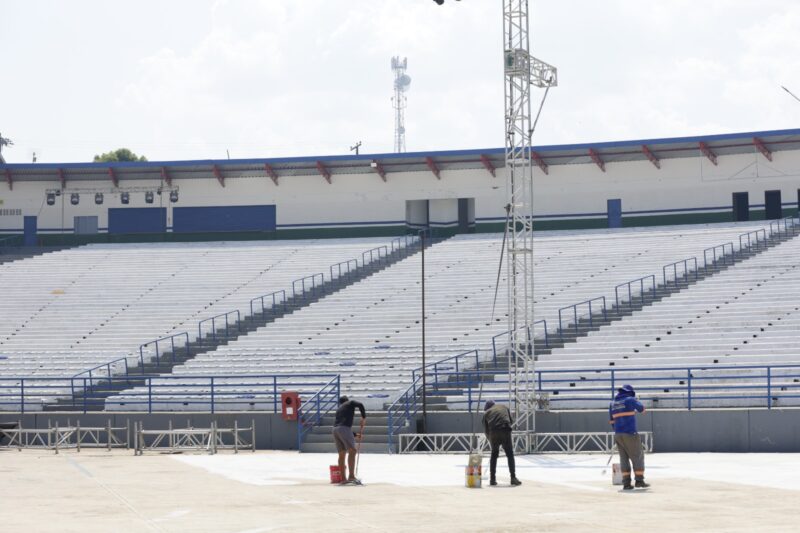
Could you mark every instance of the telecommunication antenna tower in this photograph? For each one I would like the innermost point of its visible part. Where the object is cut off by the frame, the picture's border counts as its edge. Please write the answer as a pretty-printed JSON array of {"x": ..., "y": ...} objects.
[
  {"x": 401, "y": 83},
  {"x": 522, "y": 72}
]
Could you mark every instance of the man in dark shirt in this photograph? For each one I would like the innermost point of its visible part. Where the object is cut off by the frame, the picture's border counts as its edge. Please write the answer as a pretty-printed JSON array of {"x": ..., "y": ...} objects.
[
  {"x": 343, "y": 434},
  {"x": 497, "y": 426}
]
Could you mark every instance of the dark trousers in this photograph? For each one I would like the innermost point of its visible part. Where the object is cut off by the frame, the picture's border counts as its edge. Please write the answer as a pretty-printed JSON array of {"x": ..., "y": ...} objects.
[{"x": 496, "y": 440}]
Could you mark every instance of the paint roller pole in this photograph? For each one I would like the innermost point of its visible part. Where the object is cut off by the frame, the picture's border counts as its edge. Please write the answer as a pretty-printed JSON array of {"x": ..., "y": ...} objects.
[{"x": 424, "y": 370}]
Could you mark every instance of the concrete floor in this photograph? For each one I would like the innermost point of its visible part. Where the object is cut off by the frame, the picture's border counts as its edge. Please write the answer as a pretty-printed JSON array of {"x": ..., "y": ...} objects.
[{"x": 285, "y": 491}]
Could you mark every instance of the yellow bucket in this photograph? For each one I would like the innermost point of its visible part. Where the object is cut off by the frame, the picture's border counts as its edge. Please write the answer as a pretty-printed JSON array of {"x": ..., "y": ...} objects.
[{"x": 474, "y": 471}]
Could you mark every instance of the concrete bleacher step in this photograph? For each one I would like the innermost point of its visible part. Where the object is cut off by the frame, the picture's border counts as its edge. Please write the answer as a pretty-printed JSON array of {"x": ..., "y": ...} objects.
[
  {"x": 233, "y": 331},
  {"x": 9, "y": 254},
  {"x": 616, "y": 313}
]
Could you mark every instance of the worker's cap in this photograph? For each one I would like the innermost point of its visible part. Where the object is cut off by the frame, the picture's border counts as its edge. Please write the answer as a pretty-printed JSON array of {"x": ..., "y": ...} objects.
[
  {"x": 343, "y": 399},
  {"x": 489, "y": 405},
  {"x": 628, "y": 389}
]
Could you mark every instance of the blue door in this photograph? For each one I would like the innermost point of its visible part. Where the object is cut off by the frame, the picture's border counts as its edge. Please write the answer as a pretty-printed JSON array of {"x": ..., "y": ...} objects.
[
  {"x": 30, "y": 231},
  {"x": 614, "y": 213}
]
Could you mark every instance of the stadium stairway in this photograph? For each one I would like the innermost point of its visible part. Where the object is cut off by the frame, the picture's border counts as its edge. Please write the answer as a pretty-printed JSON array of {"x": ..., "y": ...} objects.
[
  {"x": 451, "y": 390},
  {"x": 233, "y": 330},
  {"x": 9, "y": 254}
]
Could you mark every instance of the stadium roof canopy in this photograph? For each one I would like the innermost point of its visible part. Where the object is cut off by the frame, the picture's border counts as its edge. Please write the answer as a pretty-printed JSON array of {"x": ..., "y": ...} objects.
[{"x": 490, "y": 159}]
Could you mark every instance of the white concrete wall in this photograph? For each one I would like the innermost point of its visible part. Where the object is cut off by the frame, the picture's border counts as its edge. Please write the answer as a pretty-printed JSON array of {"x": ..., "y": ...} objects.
[{"x": 575, "y": 190}]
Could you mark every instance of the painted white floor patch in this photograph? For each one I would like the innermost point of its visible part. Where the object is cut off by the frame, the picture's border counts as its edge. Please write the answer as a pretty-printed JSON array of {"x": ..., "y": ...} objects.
[{"x": 581, "y": 472}]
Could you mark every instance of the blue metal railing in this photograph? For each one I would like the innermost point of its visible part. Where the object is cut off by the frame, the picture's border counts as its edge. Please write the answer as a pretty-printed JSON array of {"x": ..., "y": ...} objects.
[
  {"x": 162, "y": 393},
  {"x": 312, "y": 410},
  {"x": 379, "y": 254},
  {"x": 762, "y": 384},
  {"x": 307, "y": 284},
  {"x": 723, "y": 256},
  {"x": 462, "y": 360},
  {"x": 214, "y": 320},
  {"x": 171, "y": 339},
  {"x": 276, "y": 301},
  {"x": 404, "y": 241},
  {"x": 686, "y": 271},
  {"x": 403, "y": 410},
  {"x": 629, "y": 285},
  {"x": 87, "y": 378},
  {"x": 574, "y": 308},
  {"x": 344, "y": 269},
  {"x": 789, "y": 224},
  {"x": 755, "y": 239}
]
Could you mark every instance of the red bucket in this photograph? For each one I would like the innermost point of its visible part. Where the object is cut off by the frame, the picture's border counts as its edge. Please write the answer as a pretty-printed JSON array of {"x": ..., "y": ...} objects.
[{"x": 336, "y": 474}]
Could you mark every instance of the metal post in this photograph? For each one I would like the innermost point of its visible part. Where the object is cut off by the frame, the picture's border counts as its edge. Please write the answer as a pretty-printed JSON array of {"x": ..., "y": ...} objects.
[
  {"x": 424, "y": 383},
  {"x": 235, "y": 436},
  {"x": 78, "y": 435}
]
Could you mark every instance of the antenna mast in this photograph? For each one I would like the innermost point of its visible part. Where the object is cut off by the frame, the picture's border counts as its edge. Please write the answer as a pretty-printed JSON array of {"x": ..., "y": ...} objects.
[{"x": 401, "y": 84}]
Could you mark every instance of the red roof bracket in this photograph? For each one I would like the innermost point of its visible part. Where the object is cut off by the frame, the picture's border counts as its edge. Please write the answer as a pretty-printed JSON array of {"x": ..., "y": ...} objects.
[
  {"x": 597, "y": 159},
  {"x": 488, "y": 165},
  {"x": 708, "y": 153},
  {"x": 539, "y": 161},
  {"x": 324, "y": 172},
  {"x": 433, "y": 168},
  {"x": 218, "y": 175},
  {"x": 9, "y": 180},
  {"x": 165, "y": 176},
  {"x": 379, "y": 169},
  {"x": 762, "y": 148},
  {"x": 62, "y": 178},
  {"x": 113, "y": 176},
  {"x": 271, "y": 173},
  {"x": 651, "y": 156}
]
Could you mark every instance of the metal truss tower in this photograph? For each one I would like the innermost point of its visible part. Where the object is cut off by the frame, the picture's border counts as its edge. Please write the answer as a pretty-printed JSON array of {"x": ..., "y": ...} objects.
[
  {"x": 401, "y": 84},
  {"x": 522, "y": 72}
]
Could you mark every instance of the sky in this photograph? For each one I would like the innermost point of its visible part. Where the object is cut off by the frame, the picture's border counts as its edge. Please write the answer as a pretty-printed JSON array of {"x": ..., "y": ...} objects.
[{"x": 201, "y": 79}]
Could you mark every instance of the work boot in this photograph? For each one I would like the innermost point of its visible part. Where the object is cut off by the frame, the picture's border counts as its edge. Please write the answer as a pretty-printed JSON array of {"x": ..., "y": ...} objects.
[
  {"x": 515, "y": 482},
  {"x": 493, "y": 482},
  {"x": 640, "y": 483},
  {"x": 626, "y": 484}
]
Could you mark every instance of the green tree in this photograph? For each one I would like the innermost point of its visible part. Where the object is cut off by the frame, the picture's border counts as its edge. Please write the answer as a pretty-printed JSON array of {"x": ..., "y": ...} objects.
[{"x": 118, "y": 155}]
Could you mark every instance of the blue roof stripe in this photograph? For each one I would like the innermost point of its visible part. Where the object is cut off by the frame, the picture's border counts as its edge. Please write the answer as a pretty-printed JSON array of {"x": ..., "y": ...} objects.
[{"x": 407, "y": 155}]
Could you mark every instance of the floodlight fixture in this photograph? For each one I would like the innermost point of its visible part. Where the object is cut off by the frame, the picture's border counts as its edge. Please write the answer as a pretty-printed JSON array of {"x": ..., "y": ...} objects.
[
  {"x": 125, "y": 198},
  {"x": 98, "y": 198},
  {"x": 51, "y": 198},
  {"x": 148, "y": 197},
  {"x": 173, "y": 196},
  {"x": 74, "y": 198}
]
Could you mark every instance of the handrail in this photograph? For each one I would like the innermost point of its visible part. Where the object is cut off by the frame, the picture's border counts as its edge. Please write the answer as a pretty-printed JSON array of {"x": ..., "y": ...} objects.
[
  {"x": 453, "y": 359},
  {"x": 199, "y": 392},
  {"x": 691, "y": 382},
  {"x": 274, "y": 302},
  {"x": 312, "y": 282},
  {"x": 214, "y": 326},
  {"x": 756, "y": 233},
  {"x": 630, "y": 294},
  {"x": 574, "y": 308},
  {"x": 674, "y": 266},
  {"x": 322, "y": 402},
  {"x": 91, "y": 378},
  {"x": 402, "y": 410},
  {"x": 348, "y": 270},
  {"x": 723, "y": 256},
  {"x": 155, "y": 342},
  {"x": 405, "y": 242},
  {"x": 531, "y": 339},
  {"x": 375, "y": 255}
]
